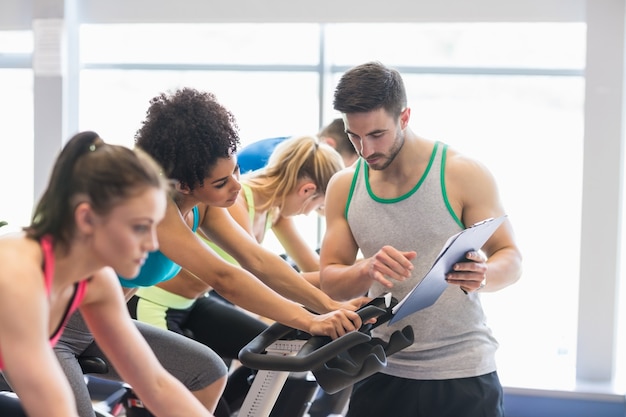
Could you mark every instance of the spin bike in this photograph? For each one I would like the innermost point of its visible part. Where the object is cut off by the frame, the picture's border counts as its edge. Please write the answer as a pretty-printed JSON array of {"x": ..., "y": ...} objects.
[
  {"x": 110, "y": 401},
  {"x": 336, "y": 364},
  {"x": 281, "y": 351}
]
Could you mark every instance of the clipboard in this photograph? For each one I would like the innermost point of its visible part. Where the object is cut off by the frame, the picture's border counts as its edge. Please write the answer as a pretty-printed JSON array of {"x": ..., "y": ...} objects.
[{"x": 430, "y": 288}]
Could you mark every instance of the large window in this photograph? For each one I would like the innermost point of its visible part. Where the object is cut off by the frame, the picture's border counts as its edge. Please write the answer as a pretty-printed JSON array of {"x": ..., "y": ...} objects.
[
  {"x": 518, "y": 126},
  {"x": 16, "y": 129},
  {"x": 510, "y": 95},
  {"x": 271, "y": 88},
  {"x": 265, "y": 104}
]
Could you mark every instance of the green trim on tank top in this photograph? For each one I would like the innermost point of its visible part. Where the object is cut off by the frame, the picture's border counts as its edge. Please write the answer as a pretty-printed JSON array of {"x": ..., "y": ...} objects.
[
  {"x": 352, "y": 185},
  {"x": 389, "y": 201},
  {"x": 410, "y": 192},
  {"x": 443, "y": 187}
]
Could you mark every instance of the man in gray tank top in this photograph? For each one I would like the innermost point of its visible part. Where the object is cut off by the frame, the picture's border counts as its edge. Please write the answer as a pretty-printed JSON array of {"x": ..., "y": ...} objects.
[{"x": 398, "y": 205}]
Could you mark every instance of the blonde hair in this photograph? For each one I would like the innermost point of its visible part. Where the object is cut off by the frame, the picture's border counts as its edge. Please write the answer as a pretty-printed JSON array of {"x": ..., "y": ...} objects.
[{"x": 293, "y": 159}]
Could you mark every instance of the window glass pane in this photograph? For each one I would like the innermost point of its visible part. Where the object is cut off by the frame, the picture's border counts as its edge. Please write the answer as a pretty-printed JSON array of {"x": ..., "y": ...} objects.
[
  {"x": 265, "y": 104},
  {"x": 620, "y": 364},
  {"x": 16, "y": 144},
  {"x": 521, "y": 45},
  {"x": 257, "y": 44},
  {"x": 16, "y": 42},
  {"x": 518, "y": 127},
  {"x": 516, "y": 124}
]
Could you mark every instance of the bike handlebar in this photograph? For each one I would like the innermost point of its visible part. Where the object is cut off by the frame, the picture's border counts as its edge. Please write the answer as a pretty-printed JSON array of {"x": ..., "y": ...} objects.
[{"x": 336, "y": 363}]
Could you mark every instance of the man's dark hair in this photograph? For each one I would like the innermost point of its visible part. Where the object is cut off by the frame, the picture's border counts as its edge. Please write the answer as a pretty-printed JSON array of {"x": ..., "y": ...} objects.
[{"x": 368, "y": 87}]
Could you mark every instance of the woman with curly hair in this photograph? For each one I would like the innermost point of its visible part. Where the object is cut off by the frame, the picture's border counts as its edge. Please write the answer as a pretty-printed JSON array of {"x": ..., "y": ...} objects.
[
  {"x": 294, "y": 182},
  {"x": 194, "y": 139}
]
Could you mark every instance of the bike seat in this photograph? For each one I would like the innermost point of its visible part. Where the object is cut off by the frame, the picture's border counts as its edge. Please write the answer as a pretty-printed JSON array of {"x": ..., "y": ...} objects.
[{"x": 93, "y": 365}]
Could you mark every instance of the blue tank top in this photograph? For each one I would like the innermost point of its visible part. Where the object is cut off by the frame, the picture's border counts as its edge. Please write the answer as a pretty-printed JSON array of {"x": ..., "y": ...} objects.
[
  {"x": 255, "y": 155},
  {"x": 158, "y": 267}
]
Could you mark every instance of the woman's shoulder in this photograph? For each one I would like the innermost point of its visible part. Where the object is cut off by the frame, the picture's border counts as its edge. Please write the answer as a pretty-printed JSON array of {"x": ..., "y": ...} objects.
[
  {"x": 16, "y": 248},
  {"x": 101, "y": 287},
  {"x": 21, "y": 261}
]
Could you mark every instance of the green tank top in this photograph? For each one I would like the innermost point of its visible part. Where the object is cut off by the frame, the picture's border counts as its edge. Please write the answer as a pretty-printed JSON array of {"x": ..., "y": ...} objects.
[{"x": 251, "y": 212}]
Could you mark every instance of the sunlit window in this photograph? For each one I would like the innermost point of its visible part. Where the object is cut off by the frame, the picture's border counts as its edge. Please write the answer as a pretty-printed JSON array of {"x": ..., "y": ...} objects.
[
  {"x": 217, "y": 44},
  {"x": 16, "y": 42},
  {"x": 16, "y": 144},
  {"x": 510, "y": 95},
  {"x": 482, "y": 45},
  {"x": 265, "y": 104},
  {"x": 16, "y": 129}
]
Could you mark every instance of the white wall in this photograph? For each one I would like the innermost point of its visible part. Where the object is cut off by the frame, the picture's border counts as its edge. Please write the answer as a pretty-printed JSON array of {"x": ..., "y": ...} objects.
[{"x": 18, "y": 13}]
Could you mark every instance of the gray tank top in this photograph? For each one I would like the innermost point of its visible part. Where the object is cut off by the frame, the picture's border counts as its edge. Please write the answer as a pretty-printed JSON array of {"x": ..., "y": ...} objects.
[{"x": 452, "y": 339}]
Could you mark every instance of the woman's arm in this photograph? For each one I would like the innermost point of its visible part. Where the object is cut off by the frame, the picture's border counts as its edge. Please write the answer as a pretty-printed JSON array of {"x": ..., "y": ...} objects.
[
  {"x": 184, "y": 247},
  {"x": 220, "y": 227},
  {"x": 285, "y": 230},
  {"x": 295, "y": 246},
  {"x": 107, "y": 318},
  {"x": 29, "y": 361},
  {"x": 302, "y": 254}
]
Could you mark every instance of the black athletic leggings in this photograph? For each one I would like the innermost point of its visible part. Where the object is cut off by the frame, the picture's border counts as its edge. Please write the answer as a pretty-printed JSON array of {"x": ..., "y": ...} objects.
[
  {"x": 219, "y": 325},
  {"x": 213, "y": 322}
]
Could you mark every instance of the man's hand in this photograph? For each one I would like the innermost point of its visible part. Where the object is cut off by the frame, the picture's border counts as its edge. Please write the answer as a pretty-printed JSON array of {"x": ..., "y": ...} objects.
[
  {"x": 390, "y": 264},
  {"x": 471, "y": 275}
]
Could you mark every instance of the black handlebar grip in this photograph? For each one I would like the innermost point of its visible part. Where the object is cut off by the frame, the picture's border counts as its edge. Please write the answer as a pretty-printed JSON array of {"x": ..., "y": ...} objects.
[
  {"x": 316, "y": 351},
  {"x": 335, "y": 363}
]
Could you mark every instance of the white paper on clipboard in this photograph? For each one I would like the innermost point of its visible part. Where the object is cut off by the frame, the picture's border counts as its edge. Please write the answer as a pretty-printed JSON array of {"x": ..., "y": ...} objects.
[{"x": 430, "y": 288}]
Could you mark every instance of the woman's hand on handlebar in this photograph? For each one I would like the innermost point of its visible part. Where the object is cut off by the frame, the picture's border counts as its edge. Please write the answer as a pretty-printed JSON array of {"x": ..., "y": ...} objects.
[
  {"x": 355, "y": 304},
  {"x": 335, "y": 324}
]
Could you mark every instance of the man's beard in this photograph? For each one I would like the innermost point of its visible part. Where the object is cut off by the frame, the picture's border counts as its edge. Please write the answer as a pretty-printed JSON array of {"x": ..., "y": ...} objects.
[{"x": 393, "y": 152}]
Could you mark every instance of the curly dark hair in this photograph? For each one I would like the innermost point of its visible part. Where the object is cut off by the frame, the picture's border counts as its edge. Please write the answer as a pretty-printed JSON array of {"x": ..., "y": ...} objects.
[{"x": 186, "y": 132}]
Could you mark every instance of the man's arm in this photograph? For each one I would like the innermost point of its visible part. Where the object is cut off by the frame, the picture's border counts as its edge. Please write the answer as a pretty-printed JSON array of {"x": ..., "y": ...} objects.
[
  {"x": 341, "y": 276},
  {"x": 473, "y": 192}
]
